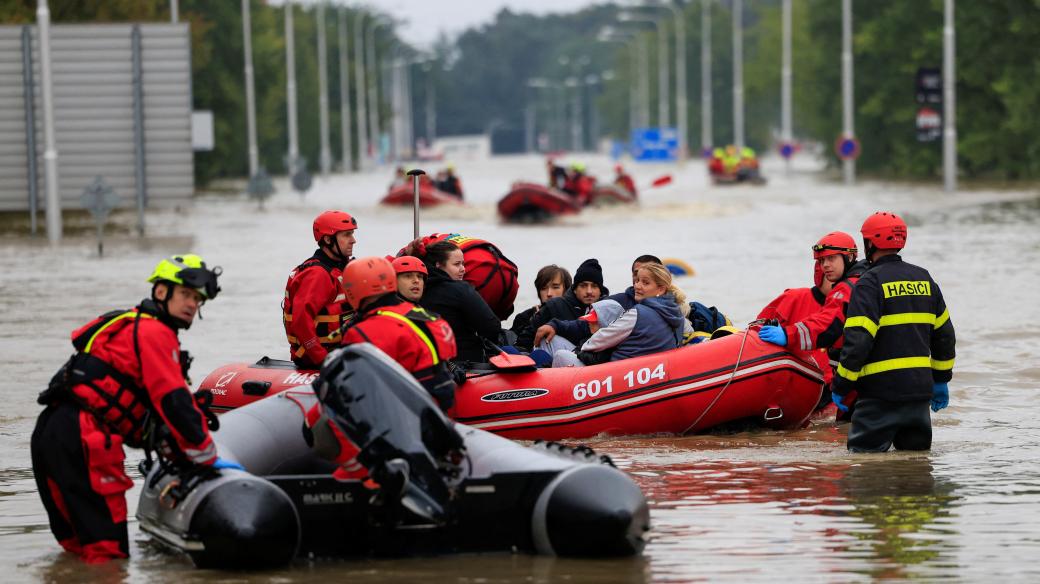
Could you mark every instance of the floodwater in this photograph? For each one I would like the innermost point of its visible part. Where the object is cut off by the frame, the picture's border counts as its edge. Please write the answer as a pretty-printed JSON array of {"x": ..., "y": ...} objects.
[{"x": 749, "y": 506}]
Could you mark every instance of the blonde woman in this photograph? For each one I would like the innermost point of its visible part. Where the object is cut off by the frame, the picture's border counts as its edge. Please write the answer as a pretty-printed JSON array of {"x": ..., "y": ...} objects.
[{"x": 655, "y": 323}]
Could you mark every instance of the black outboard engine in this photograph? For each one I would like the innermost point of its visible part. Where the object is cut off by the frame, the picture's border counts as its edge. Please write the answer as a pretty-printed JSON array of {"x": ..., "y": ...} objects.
[{"x": 411, "y": 449}]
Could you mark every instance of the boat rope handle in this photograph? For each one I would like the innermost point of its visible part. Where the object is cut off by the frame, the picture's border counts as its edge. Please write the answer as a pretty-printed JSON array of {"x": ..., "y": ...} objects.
[{"x": 732, "y": 374}]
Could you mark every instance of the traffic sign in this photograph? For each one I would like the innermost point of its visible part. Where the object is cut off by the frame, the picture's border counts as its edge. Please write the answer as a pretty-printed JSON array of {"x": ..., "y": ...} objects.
[
  {"x": 787, "y": 150},
  {"x": 929, "y": 124},
  {"x": 655, "y": 144},
  {"x": 846, "y": 147},
  {"x": 928, "y": 86}
]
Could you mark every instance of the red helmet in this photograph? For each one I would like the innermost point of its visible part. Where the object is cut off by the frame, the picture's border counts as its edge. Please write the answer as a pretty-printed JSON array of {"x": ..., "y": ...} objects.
[
  {"x": 884, "y": 230},
  {"x": 367, "y": 277},
  {"x": 408, "y": 264},
  {"x": 332, "y": 222},
  {"x": 834, "y": 243}
]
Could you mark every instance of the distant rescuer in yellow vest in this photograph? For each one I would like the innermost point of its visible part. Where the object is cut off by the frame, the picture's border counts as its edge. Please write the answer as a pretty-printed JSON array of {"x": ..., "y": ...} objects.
[{"x": 899, "y": 346}]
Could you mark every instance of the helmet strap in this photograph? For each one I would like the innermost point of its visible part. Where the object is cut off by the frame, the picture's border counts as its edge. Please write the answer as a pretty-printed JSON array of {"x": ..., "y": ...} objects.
[
  {"x": 332, "y": 248},
  {"x": 164, "y": 311},
  {"x": 869, "y": 248}
]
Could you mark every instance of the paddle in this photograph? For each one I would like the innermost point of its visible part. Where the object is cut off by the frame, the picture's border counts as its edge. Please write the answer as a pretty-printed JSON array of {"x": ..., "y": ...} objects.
[
  {"x": 665, "y": 179},
  {"x": 505, "y": 360}
]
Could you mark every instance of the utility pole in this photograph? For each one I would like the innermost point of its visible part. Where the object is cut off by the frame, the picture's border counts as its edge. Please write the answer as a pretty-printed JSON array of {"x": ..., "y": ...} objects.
[
  {"x": 662, "y": 73},
  {"x": 644, "y": 83},
  {"x": 359, "y": 89},
  {"x": 373, "y": 91},
  {"x": 849, "y": 131},
  {"x": 50, "y": 152},
  {"x": 344, "y": 93},
  {"x": 738, "y": 73},
  {"x": 680, "y": 80},
  {"x": 323, "y": 93},
  {"x": 431, "y": 108},
  {"x": 785, "y": 82},
  {"x": 949, "y": 100},
  {"x": 707, "y": 139},
  {"x": 290, "y": 89},
  {"x": 247, "y": 40}
]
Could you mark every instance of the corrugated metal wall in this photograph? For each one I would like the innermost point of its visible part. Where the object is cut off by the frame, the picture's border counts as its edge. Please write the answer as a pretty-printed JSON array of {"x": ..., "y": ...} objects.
[{"x": 94, "y": 115}]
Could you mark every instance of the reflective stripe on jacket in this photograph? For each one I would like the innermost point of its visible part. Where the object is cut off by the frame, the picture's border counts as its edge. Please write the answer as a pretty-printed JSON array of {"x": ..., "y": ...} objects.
[
  {"x": 899, "y": 339},
  {"x": 314, "y": 310}
]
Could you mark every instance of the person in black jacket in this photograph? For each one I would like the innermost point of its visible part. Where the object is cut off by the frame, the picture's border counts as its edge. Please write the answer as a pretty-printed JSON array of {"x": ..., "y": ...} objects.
[
  {"x": 552, "y": 281},
  {"x": 457, "y": 302},
  {"x": 588, "y": 288},
  {"x": 898, "y": 348}
]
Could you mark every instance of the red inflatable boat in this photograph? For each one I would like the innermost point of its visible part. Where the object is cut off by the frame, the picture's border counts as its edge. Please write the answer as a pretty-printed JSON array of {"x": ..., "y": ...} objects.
[
  {"x": 607, "y": 194},
  {"x": 534, "y": 203},
  {"x": 689, "y": 389},
  {"x": 429, "y": 196}
]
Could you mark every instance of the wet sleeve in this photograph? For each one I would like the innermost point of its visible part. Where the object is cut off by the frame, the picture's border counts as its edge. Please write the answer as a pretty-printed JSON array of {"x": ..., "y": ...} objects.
[
  {"x": 313, "y": 293},
  {"x": 860, "y": 327},
  {"x": 944, "y": 340},
  {"x": 824, "y": 327},
  {"x": 574, "y": 331},
  {"x": 167, "y": 388},
  {"x": 611, "y": 336}
]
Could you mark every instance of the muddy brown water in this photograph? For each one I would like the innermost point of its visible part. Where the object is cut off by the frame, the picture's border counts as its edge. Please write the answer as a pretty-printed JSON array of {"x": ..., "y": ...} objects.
[{"x": 747, "y": 506}]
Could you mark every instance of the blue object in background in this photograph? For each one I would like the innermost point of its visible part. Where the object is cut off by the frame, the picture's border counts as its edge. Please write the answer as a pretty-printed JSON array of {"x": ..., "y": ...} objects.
[{"x": 655, "y": 144}]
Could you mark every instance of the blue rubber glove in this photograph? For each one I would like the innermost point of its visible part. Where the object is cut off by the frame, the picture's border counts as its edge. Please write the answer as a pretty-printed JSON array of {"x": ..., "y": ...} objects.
[
  {"x": 773, "y": 334},
  {"x": 837, "y": 401},
  {"x": 940, "y": 396},
  {"x": 222, "y": 463}
]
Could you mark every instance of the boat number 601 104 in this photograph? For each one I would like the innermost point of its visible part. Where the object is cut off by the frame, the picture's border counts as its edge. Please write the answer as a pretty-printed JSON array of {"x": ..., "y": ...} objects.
[{"x": 633, "y": 378}]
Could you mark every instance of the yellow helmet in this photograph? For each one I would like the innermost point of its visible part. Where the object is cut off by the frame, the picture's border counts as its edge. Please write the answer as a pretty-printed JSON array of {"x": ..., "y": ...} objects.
[{"x": 188, "y": 270}]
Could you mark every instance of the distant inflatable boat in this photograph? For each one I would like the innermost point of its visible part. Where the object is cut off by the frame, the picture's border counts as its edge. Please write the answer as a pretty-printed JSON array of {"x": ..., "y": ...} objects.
[
  {"x": 686, "y": 390},
  {"x": 443, "y": 487},
  {"x": 534, "y": 203},
  {"x": 429, "y": 196}
]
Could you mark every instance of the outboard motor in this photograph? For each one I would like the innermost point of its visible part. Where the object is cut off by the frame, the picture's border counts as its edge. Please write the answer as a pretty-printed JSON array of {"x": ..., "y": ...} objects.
[{"x": 411, "y": 449}]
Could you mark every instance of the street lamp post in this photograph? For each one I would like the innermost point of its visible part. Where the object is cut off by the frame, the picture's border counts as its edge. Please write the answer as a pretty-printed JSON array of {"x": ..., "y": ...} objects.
[
  {"x": 949, "y": 101},
  {"x": 431, "y": 107},
  {"x": 679, "y": 18},
  {"x": 373, "y": 88},
  {"x": 359, "y": 88},
  {"x": 247, "y": 41},
  {"x": 706, "y": 114},
  {"x": 662, "y": 65},
  {"x": 609, "y": 35},
  {"x": 849, "y": 165},
  {"x": 344, "y": 93},
  {"x": 785, "y": 82},
  {"x": 290, "y": 89},
  {"x": 738, "y": 73},
  {"x": 323, "y": 93}
]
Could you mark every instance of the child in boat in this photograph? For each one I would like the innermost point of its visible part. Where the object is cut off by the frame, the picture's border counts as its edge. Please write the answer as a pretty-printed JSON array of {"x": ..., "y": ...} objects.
[{"x": 655, "y": 323}]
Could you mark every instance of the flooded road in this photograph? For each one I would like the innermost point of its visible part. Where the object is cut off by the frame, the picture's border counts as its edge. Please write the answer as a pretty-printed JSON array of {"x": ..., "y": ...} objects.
[{"x": 748, "y": 506}]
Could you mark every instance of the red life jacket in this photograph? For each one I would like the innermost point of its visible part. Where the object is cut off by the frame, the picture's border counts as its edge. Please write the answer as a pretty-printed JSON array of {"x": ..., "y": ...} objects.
[
  {"x": 329, "y": 321},
  {"x": 794, "y": 306},
  {"x": 492, "y": 274},
  {"x": 430, "y": 340}
]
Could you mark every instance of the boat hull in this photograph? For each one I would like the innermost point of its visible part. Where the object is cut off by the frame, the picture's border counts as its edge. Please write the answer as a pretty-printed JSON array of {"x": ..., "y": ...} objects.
[
  {"x": 687, "y": 390},
  {"x": 534, "y": 203},
  {"x": 429, "y": 196}
]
